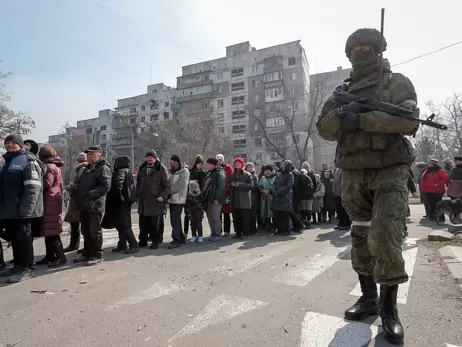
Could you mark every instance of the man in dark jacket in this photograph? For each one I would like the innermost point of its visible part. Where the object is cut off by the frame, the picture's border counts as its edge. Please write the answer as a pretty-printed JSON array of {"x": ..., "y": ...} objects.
[
  {"x": 282, "y": 198},
  {"x": 297, "y": 223},
  {"x": 241, "y": 184},
  {"x": 119, "y": 202},
  {"x": 21, "y": 200},
  {"x": 255, "y": 198},
  {"x": 152, "y": 189},
  {"x": 90, "y": 196},
  {"x": 215, "y": 197}
]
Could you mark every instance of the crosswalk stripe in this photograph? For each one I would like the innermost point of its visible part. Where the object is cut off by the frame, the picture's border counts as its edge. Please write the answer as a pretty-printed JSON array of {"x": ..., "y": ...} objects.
[
  {"x": 449, "y": 345},
  {"x": 410, "y": 257},
  {"x": 321, "y": 330},
  {"x": 218, "y": 310},
  {"x": 303, "y": 274}
]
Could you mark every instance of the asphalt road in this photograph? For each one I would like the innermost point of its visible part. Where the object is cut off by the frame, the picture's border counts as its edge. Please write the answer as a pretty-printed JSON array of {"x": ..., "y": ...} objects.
[{"x": 267, "y": 291}]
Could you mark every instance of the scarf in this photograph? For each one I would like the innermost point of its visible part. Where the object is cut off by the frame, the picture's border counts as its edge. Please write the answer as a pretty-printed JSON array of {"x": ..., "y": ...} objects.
[{"x": 372, "y": 67}]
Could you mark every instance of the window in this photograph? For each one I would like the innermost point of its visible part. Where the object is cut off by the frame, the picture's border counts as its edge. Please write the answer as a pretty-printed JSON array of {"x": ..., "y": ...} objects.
[
  {"x": 176, "y": 114},
  {"x": 257, "y": 142},
  {"x": 103, "y": 137},
  {"x": 133, "y": 110},
  {"x": 238, "y": 114},
  {"x": 221, "y": 130},
  {"x": 143, "y": 108},
  {"x": 155, "y": 90},
  {"x": 220, "y": 75},
  {"x": 220, "y": 103},
  {"x": 238, "y": 128},
  {"x": 154, "y": 105},
  {"x": 239, "y": 143},
  {"x": 205, "y": 104},
  {"x": 241, "y": 155},
  {"x": 220, "y": 118},
  {"x": 257, "y": 98},
  {"x": 154, "y": 118},
  {"x": 237, "y": 72},
  {"x": 274, "y": 122},
  {"x": 89, "y": 130},
  {"x": 273, "y": 76},
  {"x": 237, "y": 86},
  {"x": 293, "y": 76},
  {"x": 254, "y": 83},
  {"x": 259, "y": 156},
  {"x": 273, "y": 93},
  {"x": 254, "y": 68},
  {"x": 142, "y": 119},
  {"x": 221, "y": 89},
  {"x": 237, "y": 100},
  {"x": 292, "y": 61},
  {"x": 296, "y": 105},
  {"x": 167, "y": 104},
  {"x": 293, "y": 92},
  {"x": 274, "y": 155},
  {"x": 166, "y": 115},
  {"x": 103, "y": 127}
]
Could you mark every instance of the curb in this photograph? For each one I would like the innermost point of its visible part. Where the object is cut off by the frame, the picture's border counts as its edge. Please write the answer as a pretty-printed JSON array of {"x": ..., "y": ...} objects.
[{"x": 452, "y": 257}]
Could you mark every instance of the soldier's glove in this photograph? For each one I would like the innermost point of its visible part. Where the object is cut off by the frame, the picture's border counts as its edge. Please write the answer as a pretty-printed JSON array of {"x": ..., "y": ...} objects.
[
  {"x": 354, "y": 107},
  {"x": 349, "y": 121}
]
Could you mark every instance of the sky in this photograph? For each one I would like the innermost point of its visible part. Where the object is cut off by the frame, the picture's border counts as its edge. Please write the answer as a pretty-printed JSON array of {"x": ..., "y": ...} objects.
[{"x": 71, "y": 58}]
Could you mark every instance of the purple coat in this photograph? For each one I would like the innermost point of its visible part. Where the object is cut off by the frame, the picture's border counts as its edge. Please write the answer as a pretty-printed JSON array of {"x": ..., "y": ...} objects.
[{"x": 52, "y": 197}]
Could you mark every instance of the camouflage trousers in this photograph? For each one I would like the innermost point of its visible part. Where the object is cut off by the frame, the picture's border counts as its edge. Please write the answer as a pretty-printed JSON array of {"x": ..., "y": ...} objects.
[{"x": 377, "y": 202}]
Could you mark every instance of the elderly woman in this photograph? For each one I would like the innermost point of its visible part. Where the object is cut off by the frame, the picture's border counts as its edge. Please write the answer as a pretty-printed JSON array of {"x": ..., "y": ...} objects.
[
  {"x": 265, "y": 186},
  {"x": 318, "y": 200}
]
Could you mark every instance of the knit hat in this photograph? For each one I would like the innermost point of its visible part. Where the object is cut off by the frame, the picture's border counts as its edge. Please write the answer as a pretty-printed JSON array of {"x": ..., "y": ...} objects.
[
  {"x": 212, "y": 161},
  {"x": 306, "y": 165},
  {"x": 239, "y": 160},
  {"x": 193, "y": 185},
  {"x": 199, "y": 160},
  {"x": 433, "y": 160},
  {"x": 176, "y": 158},
  {"x": 220, "y": 157},
  {"x": 16, "y": 139},
  {"x": 248, "y": 164},
  {"x": 303, "y": 172},
  {"x": 81, "y": 158},
  {"x": 46, "y": 152},
  {"x": 151, "y": 153},
  {"x": 32, "y": 146}
]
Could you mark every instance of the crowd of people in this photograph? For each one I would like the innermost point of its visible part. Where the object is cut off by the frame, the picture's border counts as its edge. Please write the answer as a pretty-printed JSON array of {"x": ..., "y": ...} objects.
[{"x": 279, "y": 199}]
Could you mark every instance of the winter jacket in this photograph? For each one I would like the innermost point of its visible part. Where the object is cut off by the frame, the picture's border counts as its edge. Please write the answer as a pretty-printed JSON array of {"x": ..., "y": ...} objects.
[
  {"x": 282, "y": 190},
  {"x": 92, "y": 187},
  {"x": 328, "y": 198},
  {"x": 306, "y": 188},
  {"x": 455, "y": 182},
  {"x": 266, "y": 184},
  {"x": 255, "y": 190},
  {"x": 410, "y": 182},
  {"x": 52, "y": 197},
  {"x": 197, "y": 175},
  {"x": 178, "y": 184},
  {"x": 434, "y": 181},
  {"x": 149, "y": 187},
  {"x": 226, "y": 209},
  {"x": 195, "y": 204},
  {"x": 318, "y": 202},
  {"x": 72, "y": 214},
  {"x": 21, "y": 187},
  {"x": 241, "y": 195},
  {"x": 118, "y": 204},
  {"x": 338, "y": 182},
  {"x": 214, "y": 186}
]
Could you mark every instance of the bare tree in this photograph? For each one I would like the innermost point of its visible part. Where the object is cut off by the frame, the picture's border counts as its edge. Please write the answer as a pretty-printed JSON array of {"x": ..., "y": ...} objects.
[
  {"x": 453, "y": 107},
  {"x": 11, "y": 121}
]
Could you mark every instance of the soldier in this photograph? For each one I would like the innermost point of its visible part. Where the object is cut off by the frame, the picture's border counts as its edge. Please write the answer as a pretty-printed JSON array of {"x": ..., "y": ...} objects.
[{"x": 375, "y": 157}]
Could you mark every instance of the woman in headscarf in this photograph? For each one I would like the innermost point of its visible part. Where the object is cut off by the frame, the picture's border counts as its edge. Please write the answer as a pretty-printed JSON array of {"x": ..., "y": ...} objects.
[{"x": 318, "y": 200}]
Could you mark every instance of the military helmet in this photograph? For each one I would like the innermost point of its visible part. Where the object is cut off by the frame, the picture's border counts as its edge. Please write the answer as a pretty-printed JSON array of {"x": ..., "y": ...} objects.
[{"x": 364, "y": 37}]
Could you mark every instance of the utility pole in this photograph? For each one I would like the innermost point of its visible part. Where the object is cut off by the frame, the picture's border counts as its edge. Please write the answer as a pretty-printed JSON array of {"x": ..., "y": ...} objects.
[{"x": 132, "y": 142}]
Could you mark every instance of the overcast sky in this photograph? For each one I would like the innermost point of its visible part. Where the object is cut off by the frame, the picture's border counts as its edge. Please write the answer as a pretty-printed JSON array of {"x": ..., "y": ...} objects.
[{"x": 72, "y": 58}]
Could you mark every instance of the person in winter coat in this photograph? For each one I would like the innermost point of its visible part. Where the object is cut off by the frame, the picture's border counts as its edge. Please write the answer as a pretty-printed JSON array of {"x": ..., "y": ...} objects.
[
  {"x": 152, "y": 190},
  {"x": 310, "y": 173},
  {"x": 433, "y": 185},
  {"x": 52, "y": 225},
  {"x": 178, "y": 189},
  {"x": 455, "y": 179},
  {"x": 226, "y": 210},
  {"x": 328, "y": 204},
  {"x": 318, "y": 200},
  {"x": 90, "y": 196},
  {"x": 282, "y": 198},
  {"x": 265, "y": 186},
  {"x": 344, "y": 222},
  {"x": 255, "y": 198},
  {"x": 119, "y": 202},
  {"x": 448, "y": 165},
  {"x": 297, "y": 223},
  {"x": 306, "y": 195},
  {"x": 214, "y": 193},
  {"x": 421, "y": 166},
  {"x": 241, "y": 185},
  {"x": 195, "y": 174},
  {"x": 21, "y": 199},
  {"x": 195, "y": 205},
  {"x": 72, "y": 214}
]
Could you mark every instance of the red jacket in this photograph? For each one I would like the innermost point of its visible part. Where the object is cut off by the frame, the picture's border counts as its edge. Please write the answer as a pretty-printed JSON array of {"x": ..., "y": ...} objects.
[
  {"x": 226, "y": 209},
  {"x": 434, "y": 182}
]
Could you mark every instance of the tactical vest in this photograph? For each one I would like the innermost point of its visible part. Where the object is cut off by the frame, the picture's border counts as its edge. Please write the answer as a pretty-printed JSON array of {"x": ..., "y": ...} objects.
[{"x": 366, "y": 150}]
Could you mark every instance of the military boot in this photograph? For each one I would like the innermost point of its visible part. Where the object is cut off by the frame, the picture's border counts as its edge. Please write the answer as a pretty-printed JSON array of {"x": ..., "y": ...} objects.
[
  {"x": 391, "y": 325},
  {"x": 368, "y": 304}
]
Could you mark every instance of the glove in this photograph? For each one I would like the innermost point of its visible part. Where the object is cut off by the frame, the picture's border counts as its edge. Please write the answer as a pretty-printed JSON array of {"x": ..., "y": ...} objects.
[
  {"x": 354, "y": 107},
  {"x": 349, "y": 121}
]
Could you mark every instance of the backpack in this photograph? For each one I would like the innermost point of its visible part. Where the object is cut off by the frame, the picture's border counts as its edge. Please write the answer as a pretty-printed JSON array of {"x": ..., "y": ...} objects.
[{"x": 129, "y": 189}]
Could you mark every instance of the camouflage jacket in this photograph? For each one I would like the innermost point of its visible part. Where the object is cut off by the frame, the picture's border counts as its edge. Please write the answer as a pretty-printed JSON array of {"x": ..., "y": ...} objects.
[{"x": 379, "y": 142}]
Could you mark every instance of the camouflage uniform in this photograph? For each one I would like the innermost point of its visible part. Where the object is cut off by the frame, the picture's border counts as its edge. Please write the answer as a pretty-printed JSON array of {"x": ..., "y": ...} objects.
[{"x": 375, "y": 157}]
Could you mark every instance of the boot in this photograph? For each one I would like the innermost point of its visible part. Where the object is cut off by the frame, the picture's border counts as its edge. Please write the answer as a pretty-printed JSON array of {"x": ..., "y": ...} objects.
[
  {"x": 49, "y": 253},
  {"x": 367, "y": 305},
  {"x": 391, "y": 325},
  {"x": 61, "y": 256},
  {"x": 74, "y": 243}
]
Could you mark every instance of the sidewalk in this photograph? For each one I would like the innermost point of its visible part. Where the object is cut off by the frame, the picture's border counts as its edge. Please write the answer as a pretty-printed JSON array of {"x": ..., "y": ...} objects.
[{"x": 452, "y": 256}]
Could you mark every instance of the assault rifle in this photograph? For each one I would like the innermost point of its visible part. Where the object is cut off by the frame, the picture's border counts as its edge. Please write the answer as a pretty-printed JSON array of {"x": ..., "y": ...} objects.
[{"x": 373, "y": 104}]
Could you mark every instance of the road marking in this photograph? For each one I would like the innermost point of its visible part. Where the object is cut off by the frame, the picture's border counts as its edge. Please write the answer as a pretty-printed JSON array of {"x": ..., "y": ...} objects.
[
  {"x": 220, "y": 309},
  {"x": 303, "y": 274},
  {"x": 411, "y": 241},
  {"x": 449, "y": 345},
  {"x": 320, "y": 330},
  {"x": 155, "y": 291},
  {"x": 410, "y": 257}
]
